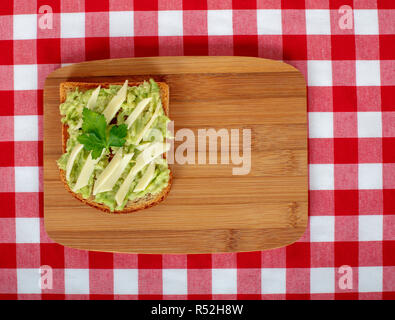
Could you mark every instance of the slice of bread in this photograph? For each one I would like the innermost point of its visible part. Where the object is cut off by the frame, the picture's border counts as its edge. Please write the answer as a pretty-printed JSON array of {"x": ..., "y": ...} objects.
[{"x": 132, "y": 206}]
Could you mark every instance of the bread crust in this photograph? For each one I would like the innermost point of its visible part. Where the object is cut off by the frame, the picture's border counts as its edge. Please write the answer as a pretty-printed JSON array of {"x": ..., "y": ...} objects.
[{"x": 132, "y": 206}]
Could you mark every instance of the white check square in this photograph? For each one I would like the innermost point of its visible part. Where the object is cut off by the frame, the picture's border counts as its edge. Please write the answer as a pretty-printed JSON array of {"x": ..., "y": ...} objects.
[
  {"x": 219, "y": 23},
  {"x": 25, "y": 26},
  {"x": 25, "y": 77},
  {"x": 170, "y": 23},
  {"x": 27, "y": 179},
  {"x": 28, "y": 281},
  {"x": 125, "y": 281},
  {"x": 369, "y": 125},
  {"x": 72, "y": 25},
  {"x": 367, "y": 72},
  {"x": 26, "y": 128},
  {"x": 273, "y": 280},
  {"x": 224, "y": 281},
  {"x": 322, "y": 280},
  {"x": 322, "y": 228},
  {"x": 366, "y": 22},
  {"x": 175, "y": 281},
  {"x": 321, "y": 176},
  {"x": 319, "y": 73},
  {"x": 27, "y": 230},
  {"x": 318, "y": 22},
  {"x": 370, "y": 279},
  {"x": 269, "y": 22},
  {"x": 370, "y": 228},
  {"x": 76, "y": 281},
  {"x": 370, "y": 176},
  {"x": 321, "y": 124},
  {"x": 121, "y": 24}
]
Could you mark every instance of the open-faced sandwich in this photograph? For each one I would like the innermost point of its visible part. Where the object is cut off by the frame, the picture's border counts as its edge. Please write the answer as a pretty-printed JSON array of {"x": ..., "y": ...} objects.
[{"x": 114, "y": 144}]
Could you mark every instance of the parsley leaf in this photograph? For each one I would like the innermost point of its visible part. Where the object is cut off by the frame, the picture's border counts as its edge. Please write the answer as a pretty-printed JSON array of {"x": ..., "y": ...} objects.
[
  {"x": 117, "y": 135},
  {"x": 96, "y": 136}
]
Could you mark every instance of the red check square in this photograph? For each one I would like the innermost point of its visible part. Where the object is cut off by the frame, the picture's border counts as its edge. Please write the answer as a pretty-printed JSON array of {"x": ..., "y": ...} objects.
[
  {"x": 387, "y": 98},
  {"x": 146, "y": 46},
  {"x": 388, "y": 150},
  {"x": 52, "y": 254},
  {"x": 194, "y": 5},
  {"x": 7, "y": 256},
  {"x": 298, "y": 255},
  {"x": 6, "y": 49},
  {"x": 249, "y": 259},
  {"x": 199, "y": 261},
  {"x": 346, "y": 202},
  {"x": 96, "y": 5},
  {"x": 147, "y": 5},
  {"x": 7, "y": 158},
  {"x": 346, "y": 150},
  {"x": 243, "y": 4},
  {"x": 346, "y": 253},
  {"x": 245, "y": 46},
  {"x": 388, "y": 253},
  {"x": 149, "y": 261},
  {"x": 343, "y": 47},
  {"x": 387, "y": 47},
  {"x": 8, "y": 204},
  {"x": 97, "y": 48},
  {"x": 48, "y": 51},
  {"x": 388, "y": 201},
  {"x": 195, "y": 45},
  {"x": 101, "y": 260},
  {"x": 294, "y": 47},
  {"x": 293, "y": 4}
]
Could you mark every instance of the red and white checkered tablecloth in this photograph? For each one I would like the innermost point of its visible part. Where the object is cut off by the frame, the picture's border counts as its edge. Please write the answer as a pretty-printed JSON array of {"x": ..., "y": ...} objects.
[{"x": 350, "y": 74}]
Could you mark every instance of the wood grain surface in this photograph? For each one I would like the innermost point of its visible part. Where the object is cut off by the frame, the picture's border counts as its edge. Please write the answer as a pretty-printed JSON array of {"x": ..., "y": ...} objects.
[{"x": 208, "y": 209}]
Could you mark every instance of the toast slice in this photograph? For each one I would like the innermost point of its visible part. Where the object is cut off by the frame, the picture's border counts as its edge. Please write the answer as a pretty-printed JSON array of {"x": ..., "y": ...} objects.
[{"x": 142, "y": 203}]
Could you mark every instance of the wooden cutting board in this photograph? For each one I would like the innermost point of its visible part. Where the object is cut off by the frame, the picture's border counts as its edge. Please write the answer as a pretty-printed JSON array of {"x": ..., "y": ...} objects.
[{"x": 208, "y": 209}]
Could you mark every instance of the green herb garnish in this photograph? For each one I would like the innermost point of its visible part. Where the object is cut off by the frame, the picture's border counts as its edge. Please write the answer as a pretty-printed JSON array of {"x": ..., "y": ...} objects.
[{"x": 97, "y": 135}]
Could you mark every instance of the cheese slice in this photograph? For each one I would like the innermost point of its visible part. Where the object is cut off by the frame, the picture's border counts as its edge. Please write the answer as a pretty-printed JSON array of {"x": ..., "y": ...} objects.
[
  {"x": 148, "y": 125},
  {"x": 115, "y": 103},
  {"x": 112, "y": 180},
  {"x": 108, "y": 171},
  {"x": 70, "y": 162},
  {"x": 146, "y": 178},
  {"x": 144, "y": 158},
  {"x": 137, "y": 111},
  {"x": 93, "y": 98},
  {"x": 86, "y": 172}
]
